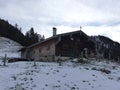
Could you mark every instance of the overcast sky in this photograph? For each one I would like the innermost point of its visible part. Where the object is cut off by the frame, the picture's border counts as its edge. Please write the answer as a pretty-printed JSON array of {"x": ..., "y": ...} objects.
[{"x": 97, "y": 17}]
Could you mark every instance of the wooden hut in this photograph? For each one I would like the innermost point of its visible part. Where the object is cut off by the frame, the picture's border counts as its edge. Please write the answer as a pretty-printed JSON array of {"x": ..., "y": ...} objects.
[{"x": 60, "y": 47}]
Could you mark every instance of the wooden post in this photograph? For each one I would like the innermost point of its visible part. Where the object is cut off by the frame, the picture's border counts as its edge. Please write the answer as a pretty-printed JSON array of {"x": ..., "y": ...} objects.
[
  {"x": 82, "y": 55},
  {"x": 97, "y": 52},
  {"x": 109, "y": 55},
  {"x": 118, "y": 59},
  {"x": 35, "y": 62},
  {"x": 86, "y": 52},
  {"x": 102, "y": 56},
  {"x": 4, "y": 60}
]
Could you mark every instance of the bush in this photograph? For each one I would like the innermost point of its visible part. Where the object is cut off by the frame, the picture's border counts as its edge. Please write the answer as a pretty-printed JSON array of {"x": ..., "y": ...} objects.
[{"x": 105, "y": 71}]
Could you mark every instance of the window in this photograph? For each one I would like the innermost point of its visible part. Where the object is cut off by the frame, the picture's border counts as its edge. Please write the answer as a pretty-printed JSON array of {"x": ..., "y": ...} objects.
[
  {"x": 48, "y": 47},
  {"x": 34, "y": 51},
  {"x": 40, "y": 50}
]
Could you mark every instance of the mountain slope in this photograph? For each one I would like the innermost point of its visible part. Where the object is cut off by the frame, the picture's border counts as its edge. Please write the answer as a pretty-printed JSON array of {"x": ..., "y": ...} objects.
[
  {"x": 15, "y": 33},
  {"x": 106, "y": 48},
  {"x": 12, "y": 32},
  {"x": 9, "y": 47}
]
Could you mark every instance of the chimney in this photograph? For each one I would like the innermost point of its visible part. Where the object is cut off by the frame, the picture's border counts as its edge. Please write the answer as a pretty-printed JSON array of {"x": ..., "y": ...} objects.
[
  {"x": 54, "y": 31},
  {"x": 80, "y": 28}
]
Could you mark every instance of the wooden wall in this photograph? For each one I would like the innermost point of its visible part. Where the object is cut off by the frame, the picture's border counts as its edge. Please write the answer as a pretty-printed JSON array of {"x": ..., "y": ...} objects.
[
  {"x": 42, "y": 52},
  {"x": 74, "y": 45}
]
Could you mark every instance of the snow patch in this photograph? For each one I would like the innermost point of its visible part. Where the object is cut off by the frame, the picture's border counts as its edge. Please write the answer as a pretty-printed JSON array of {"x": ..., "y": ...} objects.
[
  {"x": 9, "y": 47},
  {"x": 67, "y": 76}
]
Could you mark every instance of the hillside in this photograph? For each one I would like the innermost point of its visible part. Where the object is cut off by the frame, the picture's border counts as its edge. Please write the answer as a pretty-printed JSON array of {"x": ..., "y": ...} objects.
[
  {"x": 107, "y": 48},
  {"x": 93, "y": 75},
  {"x": 15, "y": 33},
  {"x": 12, "y": 32},
  {"x": 9, "y": 47}
]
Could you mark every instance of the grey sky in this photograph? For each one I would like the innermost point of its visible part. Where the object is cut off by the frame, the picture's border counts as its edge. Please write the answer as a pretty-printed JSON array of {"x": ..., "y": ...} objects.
[{"x": 95, "y": 16}]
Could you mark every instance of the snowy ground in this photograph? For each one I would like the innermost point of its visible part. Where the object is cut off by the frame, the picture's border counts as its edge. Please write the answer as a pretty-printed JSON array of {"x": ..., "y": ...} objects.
[
  {"x": 9, "y": 47},
  {"x": 53, "y": 76}
]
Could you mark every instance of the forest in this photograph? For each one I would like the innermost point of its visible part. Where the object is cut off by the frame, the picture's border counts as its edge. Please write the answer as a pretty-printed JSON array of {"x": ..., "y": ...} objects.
[{"x": 15, "y": 33}]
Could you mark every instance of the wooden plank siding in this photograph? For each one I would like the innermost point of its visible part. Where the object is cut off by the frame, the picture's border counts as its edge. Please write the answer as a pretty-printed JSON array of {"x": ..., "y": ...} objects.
[
  {"x": 74, "y": 45},
  {"x": 42, "y": 52}
]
